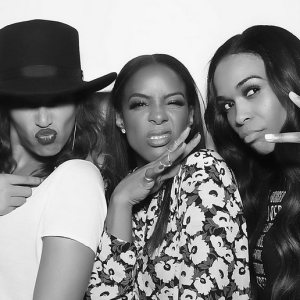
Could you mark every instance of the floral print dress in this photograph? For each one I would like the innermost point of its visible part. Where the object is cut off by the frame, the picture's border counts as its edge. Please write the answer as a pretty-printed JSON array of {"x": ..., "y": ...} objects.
[{"x": 204, "y": 254}]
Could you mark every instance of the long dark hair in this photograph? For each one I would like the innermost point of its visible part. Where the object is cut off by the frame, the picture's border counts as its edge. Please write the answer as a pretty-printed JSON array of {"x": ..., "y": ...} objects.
[
  {"x": 256, "y": 174},
  {"x": 123, "y": 155},
  {"x": 87, "y": 140}
]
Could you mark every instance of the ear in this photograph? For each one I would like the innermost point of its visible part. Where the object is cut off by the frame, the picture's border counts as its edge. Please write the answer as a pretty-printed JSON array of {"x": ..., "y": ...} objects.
[
  {"x": 119, "y": 121},
  {"x": 191, "y": 115}
]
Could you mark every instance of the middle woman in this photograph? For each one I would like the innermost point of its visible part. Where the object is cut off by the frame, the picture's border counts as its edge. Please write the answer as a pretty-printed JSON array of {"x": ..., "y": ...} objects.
[{"x": 178, "y": 238}]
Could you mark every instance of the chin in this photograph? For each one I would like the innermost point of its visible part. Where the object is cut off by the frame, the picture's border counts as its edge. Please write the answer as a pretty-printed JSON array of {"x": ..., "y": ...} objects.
[
  {"x": 49, "y": 150},
  {"x": 263, "y": 148}
]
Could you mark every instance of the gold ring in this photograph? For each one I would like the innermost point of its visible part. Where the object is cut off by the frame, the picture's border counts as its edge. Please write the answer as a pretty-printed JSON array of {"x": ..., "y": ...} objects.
[{"x": 148, "y": 179}]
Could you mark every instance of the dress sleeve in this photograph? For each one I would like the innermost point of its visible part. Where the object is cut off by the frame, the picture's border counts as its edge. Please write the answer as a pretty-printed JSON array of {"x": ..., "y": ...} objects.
[
  {"x": 112, "y": 276},
  {"x": 213, "y": 239},
  {"x": 76, "y": 206}
]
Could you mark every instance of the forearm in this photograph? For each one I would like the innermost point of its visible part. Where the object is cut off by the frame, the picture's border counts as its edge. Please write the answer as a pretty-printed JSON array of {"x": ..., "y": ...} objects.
[{"x": 119, "y": 219}]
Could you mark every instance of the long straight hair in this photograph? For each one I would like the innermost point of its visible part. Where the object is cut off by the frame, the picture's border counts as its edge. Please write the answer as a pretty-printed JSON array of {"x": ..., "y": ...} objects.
[
  {"x": 256, "y": 174},
  {"x": 122, "y": 158}
]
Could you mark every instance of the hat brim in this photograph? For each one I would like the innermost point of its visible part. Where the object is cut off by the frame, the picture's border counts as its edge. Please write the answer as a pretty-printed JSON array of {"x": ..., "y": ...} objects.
[{"x": 52, "y": 87}]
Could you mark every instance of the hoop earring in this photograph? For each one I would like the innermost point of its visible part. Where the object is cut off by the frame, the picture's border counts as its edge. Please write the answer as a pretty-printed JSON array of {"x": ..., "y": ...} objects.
[
  {"x": 123, "y": 130},
  {"x": 74, "y": 135}
]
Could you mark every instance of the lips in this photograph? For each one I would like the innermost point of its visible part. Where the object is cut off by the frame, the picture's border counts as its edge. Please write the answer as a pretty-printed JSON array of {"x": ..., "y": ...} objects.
[
  {"x": 158, "y": 138},
  {"x": 251, "y": 136},
  {"x": 46, "y": 136}
]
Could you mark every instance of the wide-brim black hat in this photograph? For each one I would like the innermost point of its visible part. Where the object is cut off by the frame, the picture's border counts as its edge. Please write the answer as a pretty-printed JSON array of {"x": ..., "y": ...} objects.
[{"x": 41, "y": 58}]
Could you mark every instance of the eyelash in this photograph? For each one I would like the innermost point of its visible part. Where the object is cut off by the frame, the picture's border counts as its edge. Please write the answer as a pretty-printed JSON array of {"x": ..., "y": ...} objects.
[
  {"x": 222, "y": 104},
  {"x": 249, "y": 88},
  {"x": 140, "y": 103}
]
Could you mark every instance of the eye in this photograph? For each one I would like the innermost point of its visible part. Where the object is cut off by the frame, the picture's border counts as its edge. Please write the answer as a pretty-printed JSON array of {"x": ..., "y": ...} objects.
[
  {"x": 176, "y": 102},
  {"x": 136, "y": 104},
  {"x": 224, "y": 106},
  {"x": 228, "y": 105},
  {"x": 251, "y": 91}
]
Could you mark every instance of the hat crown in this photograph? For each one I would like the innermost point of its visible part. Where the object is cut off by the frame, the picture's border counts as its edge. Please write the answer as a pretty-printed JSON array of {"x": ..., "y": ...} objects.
[{"x": 39, "y": 42}]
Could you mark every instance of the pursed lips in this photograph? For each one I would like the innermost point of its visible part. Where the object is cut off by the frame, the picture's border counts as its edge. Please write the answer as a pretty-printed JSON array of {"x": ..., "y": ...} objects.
[{"x": 250, "y": 135}]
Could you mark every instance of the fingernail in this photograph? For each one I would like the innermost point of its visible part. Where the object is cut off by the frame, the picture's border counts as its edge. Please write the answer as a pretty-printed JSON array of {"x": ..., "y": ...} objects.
[
  {"x": 181, "y": 145},
  {"x": 196, "y": 135},
  {"x": 269, "y": 137},
  {"x": 293, "y": 95},
  {"x": 161, "y": 167}
]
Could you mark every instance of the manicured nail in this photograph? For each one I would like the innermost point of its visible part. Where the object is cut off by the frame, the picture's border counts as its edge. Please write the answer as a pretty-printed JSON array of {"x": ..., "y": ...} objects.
[
  {"x": 196, "y": 135},
  {"x": 293, "y": 95},
  {"x": 269, "y": 137},
  {"x": 161, "y": 167}
]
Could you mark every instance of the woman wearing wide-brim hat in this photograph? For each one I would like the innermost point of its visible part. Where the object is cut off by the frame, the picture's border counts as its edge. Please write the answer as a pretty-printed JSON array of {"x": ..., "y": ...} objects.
[{"x": 47, "y": 129}]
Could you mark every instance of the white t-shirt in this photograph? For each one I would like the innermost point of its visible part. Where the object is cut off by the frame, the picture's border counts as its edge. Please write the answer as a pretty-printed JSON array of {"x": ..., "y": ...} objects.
[{"x": 69, "y": 203}]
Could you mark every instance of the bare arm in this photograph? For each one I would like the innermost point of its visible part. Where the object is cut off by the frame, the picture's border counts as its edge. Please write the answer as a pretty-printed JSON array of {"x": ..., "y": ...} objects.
[{"x": 64, "y": 271}]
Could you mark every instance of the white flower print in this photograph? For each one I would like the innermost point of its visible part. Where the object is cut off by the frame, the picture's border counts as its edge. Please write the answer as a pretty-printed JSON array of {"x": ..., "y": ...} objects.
[
  {"x": 128, "y": 257},
  {"x": 237, "y": 296},
  {"x": 145, "y": 283},
  {"x": 186, "y": 275},
  {"x": 211, "y": 194},
  {"x": 203, "y": 284},
  {"x": 193, "y": 219},
  {"x": 221, "y": 219},
  {"x": 200, "y": 258},
  {"x": 232, "y": 207},
  {"x": 224, "y": 174},
  {"x": 110, "y": 269},
  {"x": 219, "y": 271},
  {"x": 241, "y": 247},
  {"x": 241, "y": 275},
  {"x": 198, "y": 250},
  {"x": 105, "y": 292},
  {"x": 172, "y": 249},
  {"x": 105, "y": 246},
  {"x": 231, "y": 231},
  {"x": 165, "y": 293},
  {"x": 189, "y": 295},
  {"x": 165, "y": 270},
  {"x": 220, "y": 248}
]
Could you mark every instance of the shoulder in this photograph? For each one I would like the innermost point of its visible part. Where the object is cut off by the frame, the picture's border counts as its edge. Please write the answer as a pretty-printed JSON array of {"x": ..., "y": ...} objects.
[
  {"x": 78, "y": 169},
  {"x": 205, "y": 157},
  {"x": 207, "y": 166}
]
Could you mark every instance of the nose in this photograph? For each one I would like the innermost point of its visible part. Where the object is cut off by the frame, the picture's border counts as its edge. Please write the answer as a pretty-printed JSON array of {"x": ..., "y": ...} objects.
[
  {"x": 158, "y": 115},
  {"x": 43, "y": 117},
  {"x": 243, "y": 112}
]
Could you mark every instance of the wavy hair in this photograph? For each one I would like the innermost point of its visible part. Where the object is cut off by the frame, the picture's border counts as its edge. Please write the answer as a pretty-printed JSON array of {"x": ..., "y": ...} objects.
[
  {"x": 256, "y": 174},
  {"x": 123, "y": 155},
  {"x": 87, "y": 142}
]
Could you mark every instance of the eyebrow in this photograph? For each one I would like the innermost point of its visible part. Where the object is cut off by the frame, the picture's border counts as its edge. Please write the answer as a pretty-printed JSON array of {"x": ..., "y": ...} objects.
[
  {"x": 149, "y": 97},
  {"x": 246, "y": 79}
]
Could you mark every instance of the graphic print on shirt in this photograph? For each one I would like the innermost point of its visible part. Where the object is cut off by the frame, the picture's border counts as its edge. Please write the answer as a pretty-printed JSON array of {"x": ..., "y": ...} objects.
[{"x": 274, "y": 206}]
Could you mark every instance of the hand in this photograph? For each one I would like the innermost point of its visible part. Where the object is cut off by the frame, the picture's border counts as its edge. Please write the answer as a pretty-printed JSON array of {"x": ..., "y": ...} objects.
[
  {"x": 14, "y": 190},
  {"x": 148, "y": 179},
  {"x": 287, "y": 137}
]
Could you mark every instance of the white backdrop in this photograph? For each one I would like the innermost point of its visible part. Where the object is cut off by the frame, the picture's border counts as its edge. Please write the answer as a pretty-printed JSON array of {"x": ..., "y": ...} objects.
[{"x": 114, "y": 31}]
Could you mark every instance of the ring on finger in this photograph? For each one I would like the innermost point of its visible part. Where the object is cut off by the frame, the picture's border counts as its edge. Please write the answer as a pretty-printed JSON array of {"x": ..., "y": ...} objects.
[
  {"x": 148, "y": 179},
  {"x": 169, "y": 160},
  {"x": 176, "y": 143}
]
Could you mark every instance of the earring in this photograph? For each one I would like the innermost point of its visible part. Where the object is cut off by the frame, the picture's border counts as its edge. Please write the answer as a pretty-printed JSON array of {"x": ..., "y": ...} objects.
[
  {"x": 123, "y": 130},
  {"x": 74, "y": 135}
]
